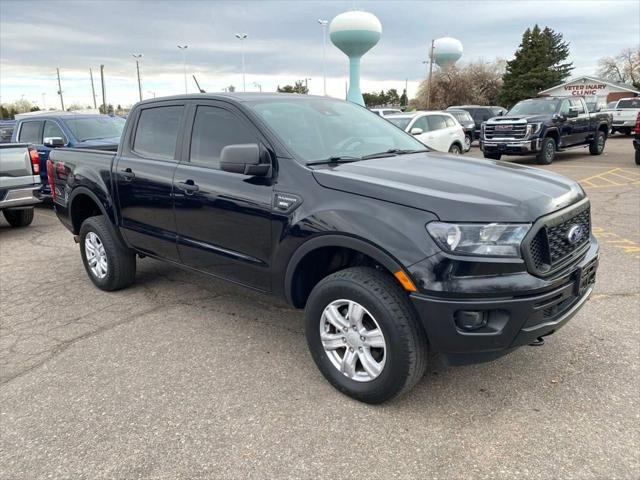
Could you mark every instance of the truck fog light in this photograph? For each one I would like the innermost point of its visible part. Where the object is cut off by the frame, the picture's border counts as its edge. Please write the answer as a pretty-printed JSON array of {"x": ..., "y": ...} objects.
[{"x": 470, "y": 319}]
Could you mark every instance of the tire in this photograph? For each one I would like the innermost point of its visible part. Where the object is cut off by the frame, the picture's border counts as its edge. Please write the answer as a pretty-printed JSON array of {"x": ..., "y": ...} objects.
[
  {"x": 467, "y": 143},
  {"x": 455, "y": 149},
  {"x": 115, "y": 264},
  {"x": 626, "y": 131},
  {"x": 493, "y": 156},
  {"x": 386, "y": 306},
  {"x": 596, "y": 147},
  {"x": 637, "y": 157},
  {"x": 547, "y": 151},
  {"x": 19, "y": 218}
]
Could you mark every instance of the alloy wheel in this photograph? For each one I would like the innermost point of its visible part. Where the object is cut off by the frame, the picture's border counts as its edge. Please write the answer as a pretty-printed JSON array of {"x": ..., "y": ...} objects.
[{"x": 96, "y": 255}]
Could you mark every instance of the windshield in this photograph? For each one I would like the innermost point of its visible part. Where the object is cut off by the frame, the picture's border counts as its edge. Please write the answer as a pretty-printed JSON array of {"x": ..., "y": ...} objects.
[
  {"x": 95, "y": 128},
  {"x": 537, "y": 106},
  {"x": 461, "y": 116},
  {"x": 400, "y": 122},
  {"x": 321, "y": 128},
  {"x": 631, "y": 103}
]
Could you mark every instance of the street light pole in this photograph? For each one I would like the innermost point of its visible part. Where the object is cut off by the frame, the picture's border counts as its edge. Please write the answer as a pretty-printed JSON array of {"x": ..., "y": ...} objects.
[
  {"x": 60, "y": 89},
  {"x": 323, "y": 24},
  {"x": 430, "y": 74},
  {"x": 256, "y": 84},
  {"x": 242, "y": 37},
  {"x": 138, "y": 56},
  {"x": 306, "y": 84},
  {"x": 183, "y": 49}
]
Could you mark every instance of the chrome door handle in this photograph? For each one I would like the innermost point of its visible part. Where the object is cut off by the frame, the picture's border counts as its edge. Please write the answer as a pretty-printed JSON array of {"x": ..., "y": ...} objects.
[{"x": 188, "y": 187}]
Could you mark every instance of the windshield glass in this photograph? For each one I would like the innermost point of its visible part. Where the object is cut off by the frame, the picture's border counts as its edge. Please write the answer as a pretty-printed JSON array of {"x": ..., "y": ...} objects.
[
  {"x": 95, "y": 128},
  {"x": 631, "y": 103},
  {"x": 536, "y": 106},
  {"x": 400, "y": 122},
  {"x": 321, "y": 128},
  {"x": 461, "y": 116}
]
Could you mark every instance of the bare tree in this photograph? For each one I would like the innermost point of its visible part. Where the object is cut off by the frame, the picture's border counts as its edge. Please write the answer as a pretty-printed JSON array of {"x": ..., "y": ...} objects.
[
  {"x": 476, "y": 83},
  {"x": 623, "y": 68}
]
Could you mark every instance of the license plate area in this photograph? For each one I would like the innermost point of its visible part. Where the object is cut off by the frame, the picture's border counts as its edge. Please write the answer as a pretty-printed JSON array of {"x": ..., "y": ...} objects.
[{"x": 586, "y": 277}]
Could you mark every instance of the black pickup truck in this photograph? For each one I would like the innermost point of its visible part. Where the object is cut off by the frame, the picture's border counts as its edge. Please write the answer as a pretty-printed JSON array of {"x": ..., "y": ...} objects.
[
  {"x": 389, "y": 248},
  {"x": 544, "y": 126}
]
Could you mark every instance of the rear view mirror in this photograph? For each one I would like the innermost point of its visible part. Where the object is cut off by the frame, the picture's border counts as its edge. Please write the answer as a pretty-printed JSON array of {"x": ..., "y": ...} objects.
[
  {"x": 244, "y": 159},
  {"x": 416, "y": 131},
  {"x": 53, "y": 142}
]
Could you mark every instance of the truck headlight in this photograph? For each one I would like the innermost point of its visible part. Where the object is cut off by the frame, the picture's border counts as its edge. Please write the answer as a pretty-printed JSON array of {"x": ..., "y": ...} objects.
[
  {"x": 492, "y": 239},
  {"x": 533, "y": 128}
]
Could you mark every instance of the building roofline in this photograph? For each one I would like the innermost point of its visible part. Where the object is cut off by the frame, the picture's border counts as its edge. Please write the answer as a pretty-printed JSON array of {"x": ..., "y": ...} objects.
[{"x": 595, "y": 79}]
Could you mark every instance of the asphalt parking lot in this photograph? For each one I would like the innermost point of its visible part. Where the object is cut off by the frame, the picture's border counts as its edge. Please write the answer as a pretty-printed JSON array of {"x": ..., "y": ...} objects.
[{"x": 182, "y": 376}]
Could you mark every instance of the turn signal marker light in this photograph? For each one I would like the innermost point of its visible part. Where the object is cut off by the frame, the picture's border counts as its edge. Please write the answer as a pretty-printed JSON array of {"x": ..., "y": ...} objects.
[{"x": 405, "y": 281}]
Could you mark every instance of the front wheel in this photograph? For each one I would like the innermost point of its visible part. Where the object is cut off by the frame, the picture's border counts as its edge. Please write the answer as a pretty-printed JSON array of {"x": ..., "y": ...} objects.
[
  {"x": 19, "y": 218},
  {"x": 108, "y": 262},
  {"x": 364, "y": 336},
  {"x": 467, "y": 143},
  {"x": 596, "y": 147},
  {"x": 455, "y": 149},
  {"x": 547, "y": 151},
  {"x": 637, "y": 157}
]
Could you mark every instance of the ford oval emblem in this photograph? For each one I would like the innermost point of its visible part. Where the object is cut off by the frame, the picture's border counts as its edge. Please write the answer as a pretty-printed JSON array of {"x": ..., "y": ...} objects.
[{"x": 575, "y": 234}]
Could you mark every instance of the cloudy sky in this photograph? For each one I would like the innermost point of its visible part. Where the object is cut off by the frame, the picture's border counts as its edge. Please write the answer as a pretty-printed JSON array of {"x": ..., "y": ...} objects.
[{"x": 284, "y": 42}]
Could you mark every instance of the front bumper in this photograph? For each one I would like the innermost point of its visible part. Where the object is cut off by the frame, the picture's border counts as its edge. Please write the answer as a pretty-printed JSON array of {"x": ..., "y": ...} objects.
[
  {"x": 510, "y": 147},
  {"x": 512, "y": 321}
]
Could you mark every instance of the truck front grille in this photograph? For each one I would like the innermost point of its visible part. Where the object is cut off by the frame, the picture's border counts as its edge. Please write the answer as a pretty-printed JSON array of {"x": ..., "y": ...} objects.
[
  {"x": 515, "y": 131},
  {"x": 550, "y": 249}
]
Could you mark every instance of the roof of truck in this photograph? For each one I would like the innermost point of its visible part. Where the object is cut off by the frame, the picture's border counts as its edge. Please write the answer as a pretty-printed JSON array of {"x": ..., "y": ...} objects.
[{"x": 236, "y": 96}]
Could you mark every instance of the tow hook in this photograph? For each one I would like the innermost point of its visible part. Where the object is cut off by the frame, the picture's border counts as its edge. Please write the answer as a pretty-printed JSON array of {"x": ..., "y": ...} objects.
[{"x": 538, "y": 343}]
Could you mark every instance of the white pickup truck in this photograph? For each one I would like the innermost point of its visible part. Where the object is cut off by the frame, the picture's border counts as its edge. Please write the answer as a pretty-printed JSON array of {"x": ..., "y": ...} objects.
[
  {"x": 19, "y": 182},
  {"x": 624, "y": 115}
]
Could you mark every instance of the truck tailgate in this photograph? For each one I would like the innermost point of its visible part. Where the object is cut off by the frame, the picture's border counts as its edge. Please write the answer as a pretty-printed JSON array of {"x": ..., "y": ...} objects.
[{"x": 15, "y": 166}]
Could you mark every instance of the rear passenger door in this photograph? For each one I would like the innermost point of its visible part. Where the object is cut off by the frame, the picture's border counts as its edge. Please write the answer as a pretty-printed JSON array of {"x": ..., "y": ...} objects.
[
  {"x": 223, "y": 219},
  {"x": 439, "y": 133},
  {"x": 144, "y": 178},
  {"x": 580, "y": 129}
]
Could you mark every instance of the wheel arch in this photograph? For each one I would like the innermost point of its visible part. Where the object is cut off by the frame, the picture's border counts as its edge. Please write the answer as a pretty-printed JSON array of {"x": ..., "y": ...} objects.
[{"x": 83, "y": 203}]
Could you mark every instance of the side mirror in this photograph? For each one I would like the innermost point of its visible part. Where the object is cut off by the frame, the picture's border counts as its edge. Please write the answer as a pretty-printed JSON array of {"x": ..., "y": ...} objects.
[
  {"x": 53, "y": 142},
  {"x": 244, "y": 159},
  {"x": 416, "y": 131},
  {"x": 573, "y": 112}
]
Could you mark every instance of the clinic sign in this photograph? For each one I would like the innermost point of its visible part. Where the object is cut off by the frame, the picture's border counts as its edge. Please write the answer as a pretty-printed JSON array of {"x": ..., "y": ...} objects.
[{"x": 586, "y": 89}]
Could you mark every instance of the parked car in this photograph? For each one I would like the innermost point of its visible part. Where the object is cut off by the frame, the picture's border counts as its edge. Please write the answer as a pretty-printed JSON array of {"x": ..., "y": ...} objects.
[
  {"x": 48, "y": 130},
  {"x": 624, "y": 115},
  {"x": 544, "y": 126},
  {"x": 480, "y": 114},
  {"x": 636, "y": 140},
  {"x": 387, "y": 246},
  {"x": 19, "y": 183},
  {"x": 6, "y": 130},
  {"x": 437, "y": 130},
  {"x": 465, "y": 119},
  {"x": 385, "y": 112}
]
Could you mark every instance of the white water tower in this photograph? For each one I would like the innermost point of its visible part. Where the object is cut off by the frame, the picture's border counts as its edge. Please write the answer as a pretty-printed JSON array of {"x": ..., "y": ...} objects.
[{"x": 446, "y": 51}]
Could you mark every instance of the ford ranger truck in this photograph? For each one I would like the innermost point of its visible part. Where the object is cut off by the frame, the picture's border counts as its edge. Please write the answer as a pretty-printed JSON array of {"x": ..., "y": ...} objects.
[
  {"x": 391, "y": 250},
  {"x": 544, "y": 126}
]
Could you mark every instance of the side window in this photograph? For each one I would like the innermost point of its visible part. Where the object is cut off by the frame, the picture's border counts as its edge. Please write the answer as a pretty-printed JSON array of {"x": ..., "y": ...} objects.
[
  {"x": 213, "y": 129},
  {"x": 564, "y": 108},
  {"x": 51, "y": 129},
  {"x": 436, "y": 122},
  {"x": 421, "y": 123},
  {"x": 575, "y": 103},
  {"x": 157, "y": 132},
  {"x": 449, "y": 121},
  {"x": 30, "y": 132}
]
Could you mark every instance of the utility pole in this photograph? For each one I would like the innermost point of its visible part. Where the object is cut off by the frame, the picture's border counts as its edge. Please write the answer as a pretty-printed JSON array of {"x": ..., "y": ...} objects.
[
  {"x": 93, "y": 89},
  {"x": 242, "y": 37},
  {"x": 306, "y": 84},
  {"x": 104, "y": 96},
  {"x": 323, "y": 24},
  {"x": 60, "y": 89},
  {"x": 183, "y": 49},
  {"x": 44, "y": 101},
  {"x": 430, "y": 74},
  {"x": 138, "y": 56}
]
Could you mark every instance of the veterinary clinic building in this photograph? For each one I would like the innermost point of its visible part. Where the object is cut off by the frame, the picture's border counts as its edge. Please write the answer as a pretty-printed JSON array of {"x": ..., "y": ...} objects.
[{"x": 595, "y": 90}]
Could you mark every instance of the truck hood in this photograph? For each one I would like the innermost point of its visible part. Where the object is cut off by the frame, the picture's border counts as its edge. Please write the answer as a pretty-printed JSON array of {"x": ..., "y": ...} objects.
[
  {"x": 456, "y": 188},
  {"x": 514, "y": 118}
]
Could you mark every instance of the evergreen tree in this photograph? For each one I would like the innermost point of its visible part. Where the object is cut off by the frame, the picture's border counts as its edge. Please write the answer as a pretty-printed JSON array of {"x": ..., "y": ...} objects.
[
  {"x": 539, "y": 63},
  {"x": 404, "y": 100}
]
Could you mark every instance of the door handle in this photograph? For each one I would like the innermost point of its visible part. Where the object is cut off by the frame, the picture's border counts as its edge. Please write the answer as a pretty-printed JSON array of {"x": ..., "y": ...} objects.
[
  {"x": 127, "y": 174},
  {"x": 188, "y": 187}
]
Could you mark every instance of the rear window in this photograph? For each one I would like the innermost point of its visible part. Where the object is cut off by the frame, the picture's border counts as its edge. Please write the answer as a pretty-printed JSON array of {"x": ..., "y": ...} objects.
[
  {"x": 400, "y": 122},
  {"x": 157, "y": 132},
  {"x": 30, "y": 132},
  {"x": 449, "y": 121},
  {"x": 631, "y": 103},
  {"x": 462, "y": 116}
]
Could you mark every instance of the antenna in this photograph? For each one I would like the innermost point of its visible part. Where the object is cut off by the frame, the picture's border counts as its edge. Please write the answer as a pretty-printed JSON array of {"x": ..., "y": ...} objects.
[{"x": 197, "y": 84}]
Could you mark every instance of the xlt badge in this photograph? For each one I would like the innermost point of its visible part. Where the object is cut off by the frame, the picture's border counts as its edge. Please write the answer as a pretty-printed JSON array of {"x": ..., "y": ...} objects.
[{"x": 286, "y": 202}]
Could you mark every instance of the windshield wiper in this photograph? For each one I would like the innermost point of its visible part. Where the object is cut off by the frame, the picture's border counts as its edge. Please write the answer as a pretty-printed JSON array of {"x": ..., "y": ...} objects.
[
  {"x": 335, "y": 159},
  {"x": 392, "y": 152}
]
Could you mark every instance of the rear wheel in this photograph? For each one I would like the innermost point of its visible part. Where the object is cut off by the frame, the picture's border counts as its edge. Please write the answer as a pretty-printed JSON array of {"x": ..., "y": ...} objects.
[
  {"x": 492, "y": 156},
  {"x": 108, "y": 262},
  {"x": 19, "y": 218},
  {"x": 637, "y": 157},
  {"x": 596, "y": 147},
  {"x": 547, "y": 151},
  {"x": 626, "y": 131},
  {"x": 467, "y": 142},
  {"x": 455, "y": 149},
  {"x": 364, "y": 336}
]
